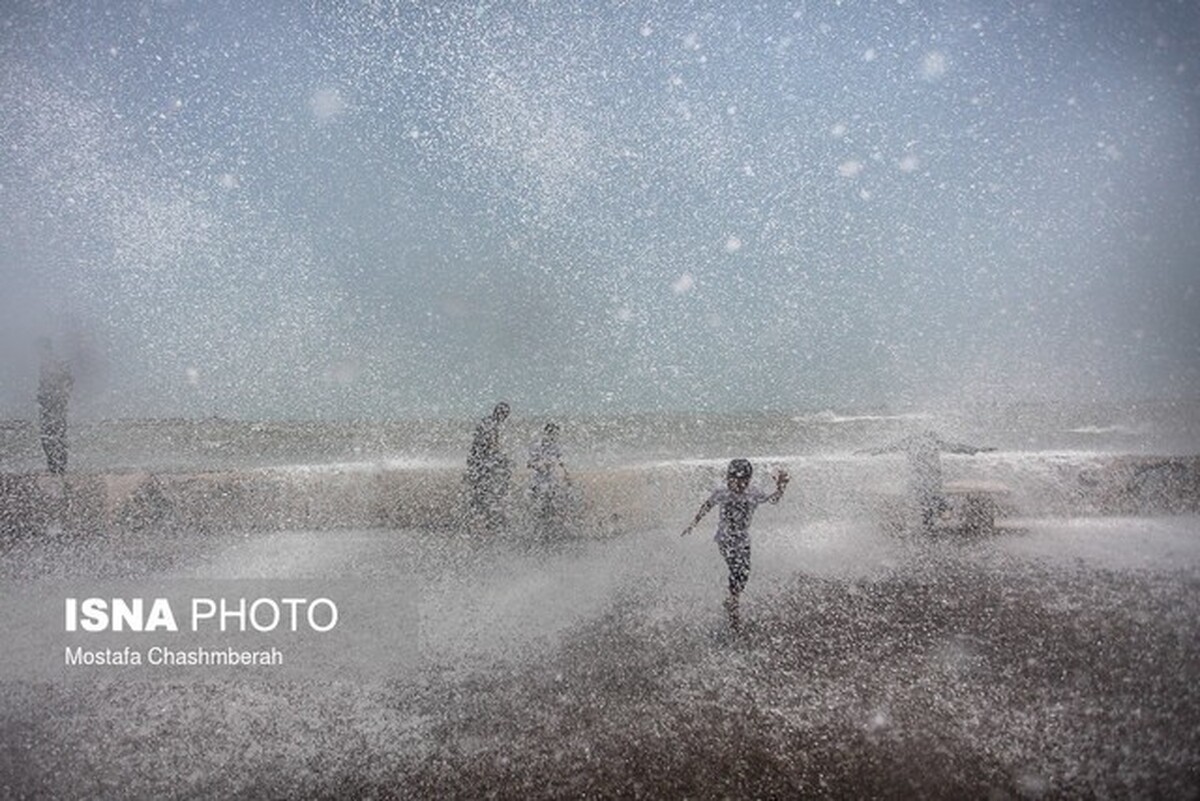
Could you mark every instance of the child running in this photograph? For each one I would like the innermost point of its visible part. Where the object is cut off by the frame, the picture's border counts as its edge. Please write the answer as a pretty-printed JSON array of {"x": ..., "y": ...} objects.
[{"x": 737, "y": 501}]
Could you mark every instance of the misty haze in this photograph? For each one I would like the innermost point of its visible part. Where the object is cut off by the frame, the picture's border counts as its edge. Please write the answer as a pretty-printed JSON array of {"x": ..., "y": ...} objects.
[{"x": 459, "y": 314}]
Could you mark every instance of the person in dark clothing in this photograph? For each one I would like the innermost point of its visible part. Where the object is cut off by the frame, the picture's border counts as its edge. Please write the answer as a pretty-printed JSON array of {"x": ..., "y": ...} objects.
[
  {"x": 54, "y": 392},
  {"x": 489, "y": 469},
  {"x": 738, "y": 501}
]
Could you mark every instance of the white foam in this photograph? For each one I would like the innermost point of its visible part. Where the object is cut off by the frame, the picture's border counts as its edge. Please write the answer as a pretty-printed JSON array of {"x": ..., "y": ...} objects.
[
  {"x": 1115, "y": 429},
  {"x": 369, "y": 466},
  {"x": 829, "y": 416}
]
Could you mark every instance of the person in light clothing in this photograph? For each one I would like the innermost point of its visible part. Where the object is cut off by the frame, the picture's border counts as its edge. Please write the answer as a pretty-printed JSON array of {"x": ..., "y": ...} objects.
[
  {"x": 546, "y": 460},
  {"x": 549, "y": 485},
  {"x": 925, "y": 485}
]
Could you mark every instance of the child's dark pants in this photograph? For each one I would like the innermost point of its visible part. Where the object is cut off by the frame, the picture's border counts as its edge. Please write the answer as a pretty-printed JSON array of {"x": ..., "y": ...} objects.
[{"x": 737, "y": 556}]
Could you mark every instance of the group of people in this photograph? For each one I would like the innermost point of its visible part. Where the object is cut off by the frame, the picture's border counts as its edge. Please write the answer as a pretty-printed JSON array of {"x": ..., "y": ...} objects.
[
  {"x": 489, "y": 472},
  {"x": 489, "y": 475}
]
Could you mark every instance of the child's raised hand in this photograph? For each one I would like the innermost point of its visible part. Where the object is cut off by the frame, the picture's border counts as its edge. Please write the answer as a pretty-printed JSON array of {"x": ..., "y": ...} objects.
[{"x": 782, "y": 478}]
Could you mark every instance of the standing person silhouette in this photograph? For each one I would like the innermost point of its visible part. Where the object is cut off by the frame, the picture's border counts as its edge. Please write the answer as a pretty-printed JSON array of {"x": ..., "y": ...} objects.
[
  {"x": 488, "y": 469},
  {"x": 548, "y": 483},
  {"x": 925, "y": 485},
  {"x": 54, "y": 393}
]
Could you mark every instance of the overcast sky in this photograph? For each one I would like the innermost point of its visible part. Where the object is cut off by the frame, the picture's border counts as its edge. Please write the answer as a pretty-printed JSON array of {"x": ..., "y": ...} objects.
[{"x": 315, "y": 210}]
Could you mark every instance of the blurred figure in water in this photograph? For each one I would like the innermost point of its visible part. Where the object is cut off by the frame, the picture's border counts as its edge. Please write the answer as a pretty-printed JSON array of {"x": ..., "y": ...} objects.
[
  {"x": 925, "y": 484},
  {"x": 738, "y": 501},
  {"x": 54, "y": 392},
  {"x": 545, "y": 460},
  {"x": 549, "y": 485},
  {"x": 489, "y": 469}
]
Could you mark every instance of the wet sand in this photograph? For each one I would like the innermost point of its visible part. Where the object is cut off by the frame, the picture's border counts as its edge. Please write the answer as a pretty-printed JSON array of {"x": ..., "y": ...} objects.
[{"x": 1057, "y": 659}]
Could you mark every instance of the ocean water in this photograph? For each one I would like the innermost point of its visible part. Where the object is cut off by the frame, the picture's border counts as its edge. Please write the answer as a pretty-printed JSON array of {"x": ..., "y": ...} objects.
[{"x": 1165, "y": 428}]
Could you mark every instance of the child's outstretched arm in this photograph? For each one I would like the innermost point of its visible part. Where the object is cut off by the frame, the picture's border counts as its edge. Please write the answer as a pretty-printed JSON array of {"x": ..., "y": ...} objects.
[
  {"x": 704, "y": 507},
  {"x": 781, "y": 481}
]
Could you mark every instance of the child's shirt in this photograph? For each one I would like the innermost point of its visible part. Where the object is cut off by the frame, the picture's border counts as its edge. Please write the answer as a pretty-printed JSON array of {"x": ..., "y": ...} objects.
[{"x": 737, "y": 508}]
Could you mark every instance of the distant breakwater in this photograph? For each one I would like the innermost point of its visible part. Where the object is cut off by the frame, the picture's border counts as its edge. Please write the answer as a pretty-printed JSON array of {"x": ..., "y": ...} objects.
[
  {"x": 330, "y": 497},
  {"x": 312, "y": 498}
]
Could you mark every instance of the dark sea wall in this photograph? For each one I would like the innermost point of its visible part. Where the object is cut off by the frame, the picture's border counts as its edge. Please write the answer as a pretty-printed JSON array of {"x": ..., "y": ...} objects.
[
  {"x": 254, "y": 499},
  {"x": 374, "y": 496}
]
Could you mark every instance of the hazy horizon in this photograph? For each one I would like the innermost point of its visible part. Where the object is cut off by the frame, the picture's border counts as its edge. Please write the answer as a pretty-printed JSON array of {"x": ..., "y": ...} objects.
[
  {"x": 525, "y": 415},
  {"x": 394, "y": 211}
]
